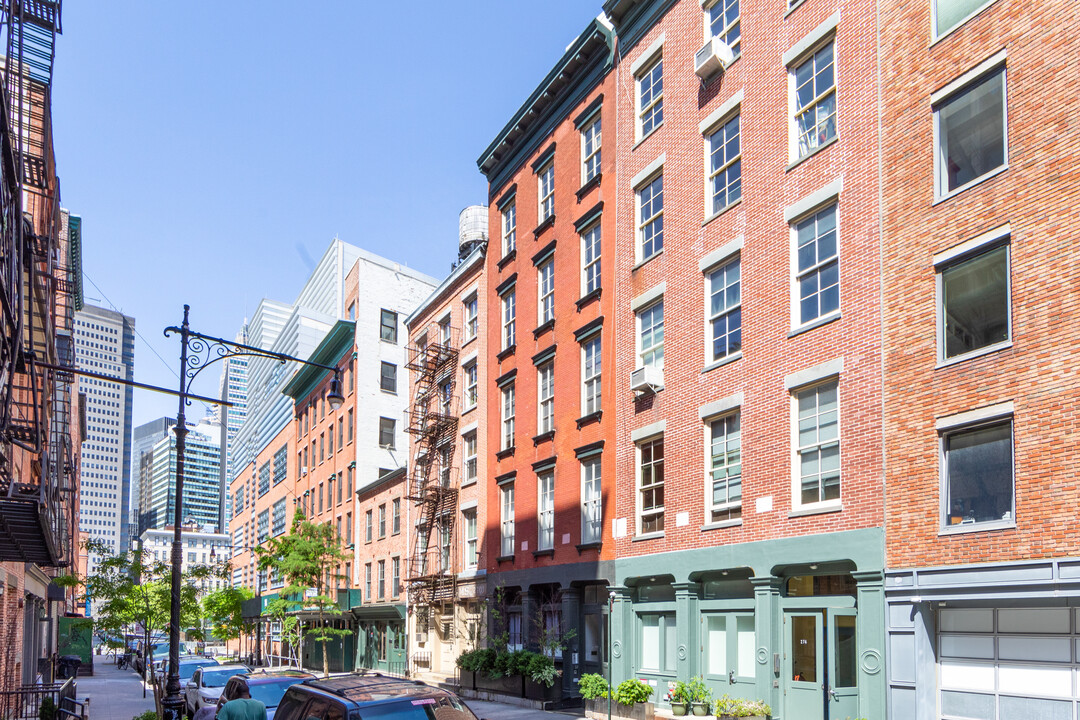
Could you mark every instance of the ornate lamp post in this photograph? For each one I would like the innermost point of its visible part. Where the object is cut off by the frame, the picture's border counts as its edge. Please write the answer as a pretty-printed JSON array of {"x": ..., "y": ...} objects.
[{"x": 197, "y": 352}]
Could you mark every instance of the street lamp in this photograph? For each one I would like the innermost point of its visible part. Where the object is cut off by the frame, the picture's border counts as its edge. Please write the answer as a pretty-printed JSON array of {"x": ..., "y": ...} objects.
[{"x": 197, "y": 352}]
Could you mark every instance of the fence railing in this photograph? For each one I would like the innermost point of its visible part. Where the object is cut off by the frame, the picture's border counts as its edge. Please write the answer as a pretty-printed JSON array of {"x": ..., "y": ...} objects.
[{"x": 24, "y": 702}]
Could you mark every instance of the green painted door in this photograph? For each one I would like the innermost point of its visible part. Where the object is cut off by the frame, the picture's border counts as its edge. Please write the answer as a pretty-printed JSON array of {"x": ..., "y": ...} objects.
[
  {"x": 842, "y": 670},
  {"x": 804, "y": 665},
  {"x": 728, "y": 652}
]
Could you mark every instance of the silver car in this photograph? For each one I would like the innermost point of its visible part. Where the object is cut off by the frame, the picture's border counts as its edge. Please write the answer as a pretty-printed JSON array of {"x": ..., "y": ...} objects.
[{"x": 207, "y": 683}]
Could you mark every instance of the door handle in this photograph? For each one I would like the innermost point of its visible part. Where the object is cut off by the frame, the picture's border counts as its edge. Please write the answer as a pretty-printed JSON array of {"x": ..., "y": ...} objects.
[
  {"x": 731, "y": 677},
  {"x": 833, "y": 695}
]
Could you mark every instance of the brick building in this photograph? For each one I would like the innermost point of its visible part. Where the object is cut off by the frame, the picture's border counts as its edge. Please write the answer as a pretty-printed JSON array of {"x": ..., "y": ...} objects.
[
  {"x": 550, "y": 387},
  {"x": 980, "y": 156}
]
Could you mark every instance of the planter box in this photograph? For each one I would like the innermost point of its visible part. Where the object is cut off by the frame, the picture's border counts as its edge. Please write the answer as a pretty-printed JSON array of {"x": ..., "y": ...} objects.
[
  {"x": 513, "y": 685},
  {"x": 598, "y": 710},
  {"x": 752, "y": 717}
]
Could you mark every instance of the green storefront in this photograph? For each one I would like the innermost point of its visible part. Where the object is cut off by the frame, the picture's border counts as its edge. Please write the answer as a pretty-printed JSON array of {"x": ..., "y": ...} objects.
[
  {"x": 797, "y": 622},
  {"x": 381, "y": 639}
]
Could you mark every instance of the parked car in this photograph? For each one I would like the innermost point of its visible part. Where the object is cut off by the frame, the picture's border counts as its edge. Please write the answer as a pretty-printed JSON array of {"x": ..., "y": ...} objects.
[
  {"x": 207, "y": 682},
  {"x": 266, "y": 686},
  {"x": 371, "y": 697},
  {"x": 158, "y": 649}
]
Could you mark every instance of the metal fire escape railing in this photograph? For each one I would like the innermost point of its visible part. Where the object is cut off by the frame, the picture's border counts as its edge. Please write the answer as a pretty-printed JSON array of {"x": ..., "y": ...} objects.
[
  {"x": 433, "y": 482},
  {"x": 38, "y": 447}
]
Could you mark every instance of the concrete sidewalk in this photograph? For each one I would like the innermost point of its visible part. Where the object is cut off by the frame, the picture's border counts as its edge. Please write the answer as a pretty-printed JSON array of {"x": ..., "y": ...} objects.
[{"x": 114, "y": 694}]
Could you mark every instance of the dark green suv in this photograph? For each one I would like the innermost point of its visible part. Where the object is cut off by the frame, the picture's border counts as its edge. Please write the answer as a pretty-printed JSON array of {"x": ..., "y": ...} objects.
[{"x": 370, "y": 696}]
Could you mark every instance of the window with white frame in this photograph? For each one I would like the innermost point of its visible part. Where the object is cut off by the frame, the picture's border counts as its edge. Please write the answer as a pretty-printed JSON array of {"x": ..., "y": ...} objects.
[
  {"x": 977, "y": 474},
  {"x": 723, "y": 483},
  {"x": 970, "y": 132},
  {"x": 722, "y": 18},
  {"x": 725, "y": 165},
  {"x": 545, "y": 510},
  {"x": 545, "y": 181},
  {"x": 725, "y": 310},
  {"x": 974, "y": 302},
  {"x": 650, "y": 98},
  {"x": 650, "y": 217},
  {"x": 590, "y": 256},
  {"x": 817, "y": 450},
  {"x": 590, "y": 151},
  {"x": 813, "y": 101},
  {"x": 650, "y": 496},
  {"x": 651, "y": 336},
  {"x": 509, "y": 313},
  {"x": 445, "y": 332},
  {"x": 545, "y": 283},
  {"x": 471, "y": 540},
  {"x": 470, "y": 458},
  {"x": 545, "y": 386},
  {"x": 949, "y": 14},
  {"x": 591, "y": 501},
  {"x": 471, "y": 375},
  {"x": 472, "y": 317},
  {"x": 658, "y": 641},
  {"x": 509, "y": 228},
  {"x": 590, "y": 375},
  {"x": 508, "y": 416},
  {"x": 506, "y": 520},
  {"x": 817, "y": 270}
]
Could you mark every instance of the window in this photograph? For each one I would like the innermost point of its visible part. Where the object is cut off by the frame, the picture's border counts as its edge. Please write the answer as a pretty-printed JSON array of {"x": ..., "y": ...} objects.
[
  {"x": 590, "y": 151},
  {"x": 471, "y": 541},
  {"x": 348, "y": 529},
  {"x": 321, "y": 506},
  {"x": 651, "y": 336},
  {"x": 395, "y": 577},
  {"x": 723, "y": 482},
  {"x": 545, "y": 512},
  {"x": 506, "y": 509},
  {"x": 388, "y": 377},
  {"x": 974, "y": 303},
  {"x": 330, "y": 442},
  {"x": 470, "y": 385},
  {"x": 658, "y": 641},
  {"x": 970, "y": 133},
  {"x": 590, "y": 254},
  {"x": 546, "y": 191},
  {"x": 725, "y": 165},
  {"x": 545, "y": 380},
  {"x": 446, "y": 396},
  {"x": 508, "y": 416},
  {"x": 509, "y": 228},
  {"x": 545, "y": 283},
  {"x": 350, "y": 426},
  {"x": 367, "y": 582},
  {"x": 446, "y": 333},
  {"x": 814, "y": 101},
  {"x": 446, "y": 454},
  {"x": 349, "y": 479},
  {"x": 723, "y": 20},
  {"x": 341, "y": 433},
  {"x": 590, "y": 376},
  {"x": 817, "y": 274},
  {"x": 368, "y": 526},
  {"x": 509, "y": 312},
  {"x": 650, "y": 98},
  {"x": 382, "y": 579},
  {"x": 472, "y": 321},
  {"x": 279, "y": 517},
  {"x": 281, "y": 464},
  {"x": 352, "y": 311},
  {"x": 650, "y": 220},
  {"x": 651, "y": 486},
  {"x": 388, "y": 326},
  {"x": 513, "y": 630},
  {"x": 818, "y": 444},
  {"x": 952, "y": 13},
  {"x": 725, "y": 310},
  {"x": 591, "y": 509},
  {"x": 396, "y": 516},
  {"x": 382, "y": 521},
  {"x": 386, "y": 433},
  {"x": 264, "y": 479},
  {"x": 264, "y": 526},
  {"x": 470, "y": 458},
  {"x": 977, "y": 469}
]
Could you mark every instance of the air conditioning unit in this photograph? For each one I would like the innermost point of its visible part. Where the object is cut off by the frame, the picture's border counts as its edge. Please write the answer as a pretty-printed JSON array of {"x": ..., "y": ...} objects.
[
  {"x": 714, "y": 56},
  {"x": 303, "y": 471},
  {"x": 647, "y": 379}
]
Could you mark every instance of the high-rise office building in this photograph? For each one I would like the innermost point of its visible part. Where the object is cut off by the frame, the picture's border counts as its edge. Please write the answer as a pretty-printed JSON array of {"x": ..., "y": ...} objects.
[
  {"x": 233, "y": 388},
  {"x": 105, "y": 344},
  {"x": 157, "y": 474},
  {"x": 146, "y": 436}
]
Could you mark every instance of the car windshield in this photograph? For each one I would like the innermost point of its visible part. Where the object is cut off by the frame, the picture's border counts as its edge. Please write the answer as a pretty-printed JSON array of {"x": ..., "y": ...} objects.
[
  {"x": 218, "y": 678},
  {"x": 187, "y": 669},
  {"x": 269, "y": 693},
  {"x": 442, "y": 708}
]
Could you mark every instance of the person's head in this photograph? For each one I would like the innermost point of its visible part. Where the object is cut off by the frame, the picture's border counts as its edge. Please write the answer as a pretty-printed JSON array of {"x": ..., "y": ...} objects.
[{"x": 243, "y": 693}]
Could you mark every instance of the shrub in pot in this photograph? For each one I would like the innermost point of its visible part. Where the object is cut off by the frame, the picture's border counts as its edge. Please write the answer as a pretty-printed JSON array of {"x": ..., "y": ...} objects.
[
  {"x": 678, "y": 696},
  {"x": 699, "y": 695},
  {"x": 593, "y": 686}
]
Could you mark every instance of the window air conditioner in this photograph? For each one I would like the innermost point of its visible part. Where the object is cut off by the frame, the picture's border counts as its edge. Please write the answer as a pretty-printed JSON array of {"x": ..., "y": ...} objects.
[
  {"x": 303, "y": 471},
  {"x": 714, "y": 56},
  {"x": 647, "y": 379}
]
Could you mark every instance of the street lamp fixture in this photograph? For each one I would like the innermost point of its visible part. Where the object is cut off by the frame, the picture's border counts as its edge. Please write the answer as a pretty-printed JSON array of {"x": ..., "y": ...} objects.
[{"x": 197, "y": 352}]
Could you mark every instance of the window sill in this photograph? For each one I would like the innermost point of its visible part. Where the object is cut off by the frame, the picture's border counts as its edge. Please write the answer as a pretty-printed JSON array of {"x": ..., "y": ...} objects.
[
  {"x": 506, "y": 353},
  {"x": 643, "y": 138},
  {"x": 796, "y": 163},
  {"x": 466, "y": 343},
  {"x": 467, "y": 410},
  {"x": 548, "y": 222},
  {"x": 737, "y": 355},
  {"x": 587, "y": 298},
  {"x": 504, "y": 558},
  {"x": 816, "y": 509},
  {"x": 507, "y": 259},
  {"x": 468, "y": 483},
  {"x": 503, "y": 454},
  {"x": 989, "y": 349},
  {"x": 652, "y": 257},
  {"x": 964, "y": 528},
  {"x": 722, "y": 211},
  {"x": 719, "y": 525},
  {"x": 650, "y": 536},
  {"x": 588, "y": 546},
  {"x": 589, "y": 419},
  {"x": 792, "y": 8},
  {"x": 549, "y": 325},
  {"x": 970, "y": 184},
  {"x": 594, "y": 182},
  {"x": 543, "y": 437},
  {"x": 813, "y": 324},
  {"x": 550, "y": 552}
]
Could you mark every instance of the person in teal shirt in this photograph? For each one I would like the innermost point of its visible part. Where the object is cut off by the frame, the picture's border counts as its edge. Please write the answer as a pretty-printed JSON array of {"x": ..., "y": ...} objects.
[{"x": 242, "y": 707}]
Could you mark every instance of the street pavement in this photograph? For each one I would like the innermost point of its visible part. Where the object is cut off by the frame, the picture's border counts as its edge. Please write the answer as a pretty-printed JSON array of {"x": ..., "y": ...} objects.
[
  {"x": 502, "y": 711},
  {"x": 114, "y": 694}
]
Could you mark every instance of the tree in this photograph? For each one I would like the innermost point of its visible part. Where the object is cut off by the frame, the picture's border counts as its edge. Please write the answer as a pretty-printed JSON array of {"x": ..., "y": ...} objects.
[
  {"x": 307, "y": 558},
  {"x": 222, "y": 609}
]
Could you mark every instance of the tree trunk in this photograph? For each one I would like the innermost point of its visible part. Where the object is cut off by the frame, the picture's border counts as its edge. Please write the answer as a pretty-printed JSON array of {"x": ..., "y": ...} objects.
[{"x": 325, "y": 653}]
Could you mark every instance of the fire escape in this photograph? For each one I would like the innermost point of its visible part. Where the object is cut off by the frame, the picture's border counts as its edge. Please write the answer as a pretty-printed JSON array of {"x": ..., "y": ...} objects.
[
  {"x": 433, "y": 421},
  {"x": 38, "y": 449}
]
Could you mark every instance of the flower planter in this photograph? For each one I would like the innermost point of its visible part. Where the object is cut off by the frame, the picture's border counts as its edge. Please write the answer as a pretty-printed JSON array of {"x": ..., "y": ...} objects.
[
  {"x": 598, "y": 710},
  {"x": 678, "y": 708},
  {"x": 700, "y": 708},
  {"x": 752, "y": 717}
]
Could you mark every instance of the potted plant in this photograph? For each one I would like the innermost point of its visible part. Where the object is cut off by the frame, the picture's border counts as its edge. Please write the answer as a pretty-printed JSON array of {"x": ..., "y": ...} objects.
[
  {"x": 678, "y": 696},
  {"x": 595, "y": 691},
  {"x": 633, "y": 698},
  {"x": 699, "y": 695},
  {"x": 728, "y": 708}
]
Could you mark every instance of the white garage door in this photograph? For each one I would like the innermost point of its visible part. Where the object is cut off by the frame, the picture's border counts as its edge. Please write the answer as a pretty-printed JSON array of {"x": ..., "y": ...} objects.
[{"x": 1009, "y": 663}]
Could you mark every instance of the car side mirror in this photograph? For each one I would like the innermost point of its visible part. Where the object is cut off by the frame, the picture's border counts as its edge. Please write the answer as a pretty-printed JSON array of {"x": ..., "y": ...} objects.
[{"x": 191, "y": 684}]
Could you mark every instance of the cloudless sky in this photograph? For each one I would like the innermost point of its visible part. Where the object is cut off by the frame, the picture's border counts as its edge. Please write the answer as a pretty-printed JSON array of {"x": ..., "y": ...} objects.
[{"x": 214, "y": 148}]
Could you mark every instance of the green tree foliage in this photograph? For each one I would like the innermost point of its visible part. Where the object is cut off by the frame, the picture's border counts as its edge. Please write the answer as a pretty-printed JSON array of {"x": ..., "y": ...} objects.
[
  {"x": 222, "y": 609},
  {"x": 307, "y": 558}
]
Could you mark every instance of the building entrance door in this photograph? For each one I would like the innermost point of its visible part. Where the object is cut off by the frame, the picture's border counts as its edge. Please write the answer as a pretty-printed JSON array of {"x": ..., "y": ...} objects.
[{"x": 820, "y": 663}]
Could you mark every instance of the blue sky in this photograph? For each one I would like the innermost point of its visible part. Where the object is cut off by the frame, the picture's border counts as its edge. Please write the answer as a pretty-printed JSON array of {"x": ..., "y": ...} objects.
[{"x": 213, "y": 149}]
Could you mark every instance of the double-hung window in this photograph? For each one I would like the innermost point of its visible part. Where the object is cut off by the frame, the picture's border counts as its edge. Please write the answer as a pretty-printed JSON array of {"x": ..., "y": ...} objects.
[
  {"x": 591, "y": 502},
  {"x": 388, "y": 326},
  {"x": 509, "y": 228},
  {"x": 545, "y": 379},
  {"x": 508, "y": 416},
  {"x": 651, "y": 336},
  {"x": 725, "y": 165},
  {"x": 723, "y": 20},
  {"x": 650, "y": 217},
  {"x": 977, "y": 475},
  {"x": 650, "y": 494},
  {"x": 545, "y": 180},
  {"x": 472, "y": 321},
  {"x": 813, "y": 100},
  {"x": 973, "y": 301},
  {"x": 396, "y": 516},
  {"x": 650, "y": 98},
  {"x": 723, "y": 484},
  {"x": 368, "y": 526},
  {"x": 471, "y": 540},
  {"x": 590, "y": 375},
  {"x": 590, "y": 254},
  {"x": 506, "y": 520},
  {"x": 545, "y": 513},
  {"x": 470, "y": 371},
  {"x": 970, "y": 132},
  {"x": 725, "y": 310},
  {"x": 509, "y": 313},
  {"x": 817, "y": 444},
  {"x": 590, "y": 151},
  {"x": 470, "y": 458},
  {"x": 817, "y": 269},
  {"x": 545, "y": 281},
  {"x": 386, "y": 433}
]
